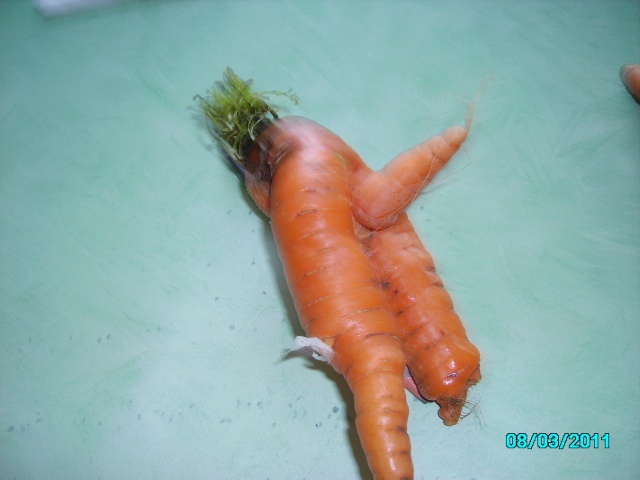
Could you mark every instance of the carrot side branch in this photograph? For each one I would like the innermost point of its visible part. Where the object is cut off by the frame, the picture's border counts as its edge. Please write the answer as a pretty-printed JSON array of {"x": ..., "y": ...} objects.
[{"x": 379, "y": 197}]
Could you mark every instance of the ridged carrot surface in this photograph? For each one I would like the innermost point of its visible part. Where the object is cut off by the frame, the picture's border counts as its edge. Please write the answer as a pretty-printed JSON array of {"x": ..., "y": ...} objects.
[
  {"x": 441, "y": 359},
  {"x": 334, "y": 286}
]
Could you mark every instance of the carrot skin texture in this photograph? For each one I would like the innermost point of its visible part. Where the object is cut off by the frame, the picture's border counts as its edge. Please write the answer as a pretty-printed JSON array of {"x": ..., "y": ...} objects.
[
  {"x": 380, "y": 196},
  {"x": 333, "y": 284},
  {"x": 442, "y": 361},
  {"x": 418, "y": 280}
]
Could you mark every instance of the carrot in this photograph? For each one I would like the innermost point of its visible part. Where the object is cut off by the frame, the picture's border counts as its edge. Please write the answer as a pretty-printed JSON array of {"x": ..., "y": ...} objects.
[
  {"x": 299, "y": 175},
  {"x": 630, "y": 76},
  {"x": 441, "y": 360},
  {"x": 349, "y": 252}
]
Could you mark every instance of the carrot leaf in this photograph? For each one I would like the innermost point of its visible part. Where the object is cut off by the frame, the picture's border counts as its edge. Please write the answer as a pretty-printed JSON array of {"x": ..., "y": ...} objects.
[{"x": 238, "y": 114}]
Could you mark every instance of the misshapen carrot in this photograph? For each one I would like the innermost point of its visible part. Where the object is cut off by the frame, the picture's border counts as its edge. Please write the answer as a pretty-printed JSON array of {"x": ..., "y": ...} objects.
[
  {"x": 441, "y": 359},
  {"x": 333, "y": 221}
]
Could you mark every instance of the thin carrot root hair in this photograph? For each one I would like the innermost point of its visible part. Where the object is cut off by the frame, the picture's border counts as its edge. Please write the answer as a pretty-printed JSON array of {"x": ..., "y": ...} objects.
[
  {"x": 464, "y": 149},
  {"x": 468, "y": 408},
  {"x": 474, "y": 100},
  {"x": 471, "y": 408},
  {"x": 470, "y": 102},
  {"x": 468, "y": 118}
]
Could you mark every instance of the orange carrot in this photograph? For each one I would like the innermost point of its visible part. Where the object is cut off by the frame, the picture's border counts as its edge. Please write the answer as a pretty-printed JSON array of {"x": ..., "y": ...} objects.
[
  {"x": 630, "y": 76},
  {"x": 335, "y": 289},
  {"x": 298, "y": 173},
  {"x": 441, "y": 360}
]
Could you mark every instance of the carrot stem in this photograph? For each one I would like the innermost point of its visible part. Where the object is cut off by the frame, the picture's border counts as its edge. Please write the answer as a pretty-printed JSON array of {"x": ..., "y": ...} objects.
[{"x": 238, "y": 114}]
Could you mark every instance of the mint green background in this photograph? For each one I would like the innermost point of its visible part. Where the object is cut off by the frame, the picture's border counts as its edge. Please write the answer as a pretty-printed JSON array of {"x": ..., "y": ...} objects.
[{"x": 144, "y": 318}]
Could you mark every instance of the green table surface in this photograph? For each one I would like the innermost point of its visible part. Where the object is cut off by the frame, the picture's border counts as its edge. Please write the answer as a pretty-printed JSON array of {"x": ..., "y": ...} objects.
[{"x": 144, "y": 316}]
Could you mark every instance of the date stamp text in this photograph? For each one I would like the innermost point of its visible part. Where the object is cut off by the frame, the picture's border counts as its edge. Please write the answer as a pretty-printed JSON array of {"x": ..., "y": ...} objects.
[{"x": 555, "y": 440}]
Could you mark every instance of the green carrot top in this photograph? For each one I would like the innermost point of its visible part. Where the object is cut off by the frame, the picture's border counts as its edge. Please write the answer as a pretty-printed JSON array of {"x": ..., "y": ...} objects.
[{"x": 238, "y": 114}]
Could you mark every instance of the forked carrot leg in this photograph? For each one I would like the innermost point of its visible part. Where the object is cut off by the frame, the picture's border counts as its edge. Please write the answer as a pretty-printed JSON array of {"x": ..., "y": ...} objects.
[{"x": 442, "y": 361}]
